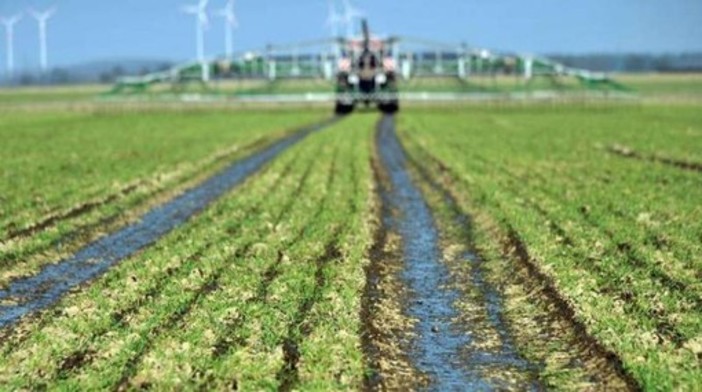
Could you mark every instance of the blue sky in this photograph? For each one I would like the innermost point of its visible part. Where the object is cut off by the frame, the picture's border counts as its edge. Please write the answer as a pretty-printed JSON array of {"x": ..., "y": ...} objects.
[{"x": 86, "y": 30}]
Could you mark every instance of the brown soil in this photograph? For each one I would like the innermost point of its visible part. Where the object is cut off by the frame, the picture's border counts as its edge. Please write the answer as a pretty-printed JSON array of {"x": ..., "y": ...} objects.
[{"x": 387, "y": 332}]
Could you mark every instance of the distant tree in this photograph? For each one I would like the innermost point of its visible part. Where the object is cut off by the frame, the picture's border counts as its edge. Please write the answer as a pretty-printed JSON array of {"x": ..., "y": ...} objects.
[
  {"x": 663, "y": 63},
  {"x": 635, "y": 63},
  {"x": 26, "y": 79},
  {"x": 117, "y": 71},
  {"x": 165, "y": 66},
  {"x": 106, "y": 77},
  {"x": 59, "y": 76}
]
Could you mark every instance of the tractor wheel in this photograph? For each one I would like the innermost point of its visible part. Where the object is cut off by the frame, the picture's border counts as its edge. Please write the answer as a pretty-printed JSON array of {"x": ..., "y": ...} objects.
[
  {"x": 390, "y": 107},
  {"x": 343, "y": 109}
]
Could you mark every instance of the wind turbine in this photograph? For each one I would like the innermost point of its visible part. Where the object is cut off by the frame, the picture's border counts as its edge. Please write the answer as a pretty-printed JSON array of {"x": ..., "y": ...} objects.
[
  {"x": 334, "y": 22},
  {"x": 334, "y": 19},
  {"x": 201, "y": 23},
  {"x": 42, "y": 19},
  {"x": 230, "y": 23},
  {"x": 350, "y": 13},
  {"x": 10, "y": 36}
]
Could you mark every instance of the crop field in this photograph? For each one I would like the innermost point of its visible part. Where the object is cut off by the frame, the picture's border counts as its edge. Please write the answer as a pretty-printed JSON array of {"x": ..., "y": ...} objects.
[
  {"x": 603, "y": 204},
  {"x": 650, "y": 87},
  {"x": 66, "y": 177},
  {"x": 508, "y": 246}
]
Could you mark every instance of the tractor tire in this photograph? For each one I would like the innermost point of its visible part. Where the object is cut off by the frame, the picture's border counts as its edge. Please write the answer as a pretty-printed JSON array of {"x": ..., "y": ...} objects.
[
  {"x": 342, "y": 109},
  {"x": 389, "y": 107}
]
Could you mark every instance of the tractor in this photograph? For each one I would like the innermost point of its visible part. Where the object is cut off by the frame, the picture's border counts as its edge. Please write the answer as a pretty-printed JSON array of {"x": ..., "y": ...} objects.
[{"x": 366, "y": 74}]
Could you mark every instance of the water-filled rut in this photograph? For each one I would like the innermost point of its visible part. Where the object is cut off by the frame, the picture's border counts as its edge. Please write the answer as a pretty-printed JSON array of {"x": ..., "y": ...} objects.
[
  {"x": 26, "y": 295},
  {"x": 444, "y": 348}
]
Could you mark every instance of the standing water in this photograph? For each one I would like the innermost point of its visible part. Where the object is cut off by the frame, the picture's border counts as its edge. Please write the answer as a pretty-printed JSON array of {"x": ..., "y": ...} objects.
[{"x": 439, "y": 345}]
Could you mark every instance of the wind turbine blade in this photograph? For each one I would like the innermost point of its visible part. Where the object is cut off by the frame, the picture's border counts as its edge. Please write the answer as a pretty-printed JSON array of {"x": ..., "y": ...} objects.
[
  {"x": 15, "y": 18},
  {"x": 46, "y": 15},
  {"x": 228, "y": 14}
]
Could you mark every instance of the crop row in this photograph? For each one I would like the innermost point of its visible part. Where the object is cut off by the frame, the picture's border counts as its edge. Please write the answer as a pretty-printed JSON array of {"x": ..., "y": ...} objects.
[
  {"x": 241, "y": 296},
  {"x": 51, "y": 162},
  {"x": 85, "y": 175},
  {"x": 618, "y": 237}
]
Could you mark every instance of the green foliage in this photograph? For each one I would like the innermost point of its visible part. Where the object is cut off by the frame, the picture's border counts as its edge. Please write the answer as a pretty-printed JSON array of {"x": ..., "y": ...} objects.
[
  {"x": 69, "y": 177},
  {"x": 261, "y": 290},
  {"x": 619, "y": 236}
]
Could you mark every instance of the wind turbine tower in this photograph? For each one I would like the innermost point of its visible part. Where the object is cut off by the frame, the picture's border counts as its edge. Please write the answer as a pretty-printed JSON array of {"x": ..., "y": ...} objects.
[
  {"x": 230, "y": 23},
  {"x": 201, "y": 23},
  {"x": 351, "y": 13},
  {"x": 42, "y": 18},
  {"x": 10, "y": 36},
  {"x": 334, "y": 20}
]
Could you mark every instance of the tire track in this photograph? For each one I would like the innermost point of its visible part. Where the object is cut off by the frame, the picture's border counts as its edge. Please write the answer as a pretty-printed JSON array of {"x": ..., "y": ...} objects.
[
  {"x": 84, "y": 208},
  {"x": 660, "y": 317},
  {"x": 223, "y": 346},
  {"x": 211, "y": 285},
  {"x": 112, "y": 222},
  {"x": 133, "y": 307},
  {"x": 436, "y": 350},
  {"x": 536, "y": 286},
  {"x": 45, "y": 288},
  {"x": 73, "y": 212},
  {"x": 541, "y": 283},
  {"x": 78, "y": 359}
]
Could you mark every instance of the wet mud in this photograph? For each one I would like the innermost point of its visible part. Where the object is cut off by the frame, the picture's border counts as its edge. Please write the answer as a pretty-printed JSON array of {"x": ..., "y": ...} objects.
[
  {"x": 449, "y": 352},
  {"x": 28, "y": 295},
  {"x": 542, "y": 323}
]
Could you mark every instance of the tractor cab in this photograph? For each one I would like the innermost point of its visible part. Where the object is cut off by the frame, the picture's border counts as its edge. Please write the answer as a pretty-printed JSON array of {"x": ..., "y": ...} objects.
[{"x": 366, "y": 74}]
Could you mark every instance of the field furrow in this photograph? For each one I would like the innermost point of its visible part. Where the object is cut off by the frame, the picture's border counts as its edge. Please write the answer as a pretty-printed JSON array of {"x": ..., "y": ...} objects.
[
  {"x": 635, "y": 293},
  {"x": 90, "y": 203},
  {"x": 506, "y": 246},
  {"x": 246, "y": 278},
  {"x": 675, "y": 296}
]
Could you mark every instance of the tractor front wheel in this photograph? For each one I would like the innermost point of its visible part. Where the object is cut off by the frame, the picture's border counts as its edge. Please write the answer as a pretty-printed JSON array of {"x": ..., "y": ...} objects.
[
  {"x": 389, "y": 107},
  {"x": 343, "y": 109}
]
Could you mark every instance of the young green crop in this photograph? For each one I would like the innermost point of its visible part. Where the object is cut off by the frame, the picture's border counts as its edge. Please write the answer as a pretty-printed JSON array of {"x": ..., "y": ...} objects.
[
  {"x": 69, "y": 177},
  {"x": 619, "y": 237},
  {"x": 51, "y": 162},
  {"x": 260, "y": 291}
]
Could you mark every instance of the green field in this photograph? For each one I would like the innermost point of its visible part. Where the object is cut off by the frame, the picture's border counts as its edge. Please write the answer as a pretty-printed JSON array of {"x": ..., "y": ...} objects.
[
  {"x": 222, "y": 294},
  {"x": 666, "y": 87},
  {"x": 570, "y": 233},
  {"x": 655, "y": 87},
  {"x": 619, "y": 237},
  {"x": 67, "y": 174}
]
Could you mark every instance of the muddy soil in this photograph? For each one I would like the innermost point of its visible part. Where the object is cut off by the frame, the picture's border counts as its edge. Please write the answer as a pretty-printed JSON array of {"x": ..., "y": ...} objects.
[
  {"x": 441, "y": 351},
  {"x": 439, "y": 317}
]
